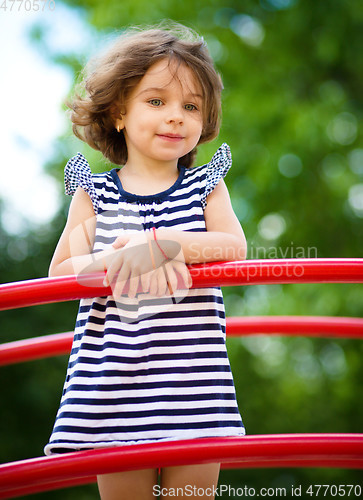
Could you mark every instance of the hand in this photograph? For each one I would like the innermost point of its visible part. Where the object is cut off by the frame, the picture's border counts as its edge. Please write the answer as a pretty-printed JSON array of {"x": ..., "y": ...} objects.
[
  {"x": 138, "y": 259},
  {"x": 130, "y": 259}
]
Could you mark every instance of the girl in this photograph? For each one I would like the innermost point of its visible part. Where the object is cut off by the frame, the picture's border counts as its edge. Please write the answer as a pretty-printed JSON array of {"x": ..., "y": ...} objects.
[{"x": 148, "y": 362}]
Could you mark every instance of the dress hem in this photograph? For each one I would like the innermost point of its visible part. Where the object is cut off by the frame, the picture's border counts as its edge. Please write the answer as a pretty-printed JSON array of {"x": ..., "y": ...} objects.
[{"x": 50, "y": 449}]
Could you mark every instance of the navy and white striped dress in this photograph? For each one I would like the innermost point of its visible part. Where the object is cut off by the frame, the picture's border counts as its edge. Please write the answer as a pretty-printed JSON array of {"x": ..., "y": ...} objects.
[{"x": 146, "y": 369}]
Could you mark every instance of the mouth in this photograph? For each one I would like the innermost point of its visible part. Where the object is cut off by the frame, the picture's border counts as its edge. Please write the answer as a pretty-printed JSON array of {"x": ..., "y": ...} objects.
[{"x": 171, "y": 137}]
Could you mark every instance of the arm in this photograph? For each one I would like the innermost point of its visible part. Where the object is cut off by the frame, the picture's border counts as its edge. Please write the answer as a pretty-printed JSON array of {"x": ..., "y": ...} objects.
[
  {"x": 224, "y": 239},
  {"x": 73, "y": 252}
]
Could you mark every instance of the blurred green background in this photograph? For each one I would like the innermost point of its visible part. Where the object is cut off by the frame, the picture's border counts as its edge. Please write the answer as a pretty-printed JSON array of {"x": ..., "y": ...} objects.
[{"x": 292, "y": 110}]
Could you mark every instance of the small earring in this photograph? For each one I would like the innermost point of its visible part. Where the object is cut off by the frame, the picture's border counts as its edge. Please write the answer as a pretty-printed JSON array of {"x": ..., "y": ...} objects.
[{"x": 118, "y": 128}]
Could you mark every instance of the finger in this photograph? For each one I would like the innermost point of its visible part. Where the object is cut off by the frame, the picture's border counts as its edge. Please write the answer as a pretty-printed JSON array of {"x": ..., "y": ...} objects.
[
  {"x": 145, "y": 281},
  {"x": 171, "y": 278},
  {"x": 187, "y": 277},
  {"x": 121, "y": 280},
  {"x": 113, "y": 268},
  {"x": 162, "y": 282},
  {"x": 154, "y": 282},
  {"x": 118, "y": 288},
  {"x": 121, "y": 241},
  {"x": 134, "y": 284},
  {"x": 183, "y": 270}
]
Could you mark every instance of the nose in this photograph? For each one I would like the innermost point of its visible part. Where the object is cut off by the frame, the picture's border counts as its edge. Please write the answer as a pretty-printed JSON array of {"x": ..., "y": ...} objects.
[{"x": 175, "y": 114}]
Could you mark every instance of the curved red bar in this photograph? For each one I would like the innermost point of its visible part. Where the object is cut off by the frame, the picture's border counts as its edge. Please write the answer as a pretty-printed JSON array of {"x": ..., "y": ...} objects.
[
  {"x": 284, "y": 450},
  {"x": 297, "y": 450},
  {"x": 322, "y": 326},
  {"x": 250, "y": 272},
  {"x": 35, "y": 348},
  {"x": 311, "y": 326}
]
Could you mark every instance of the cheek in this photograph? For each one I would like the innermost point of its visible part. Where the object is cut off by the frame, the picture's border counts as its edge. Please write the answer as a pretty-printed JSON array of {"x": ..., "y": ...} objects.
[
  {"x": 197, "y": 122},
  {"x": 146, "y": 121},
  {"x": 199, "y": 127}
]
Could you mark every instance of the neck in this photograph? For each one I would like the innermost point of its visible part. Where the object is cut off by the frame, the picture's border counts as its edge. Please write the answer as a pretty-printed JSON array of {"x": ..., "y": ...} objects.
[{"x": 151, "y": 168}]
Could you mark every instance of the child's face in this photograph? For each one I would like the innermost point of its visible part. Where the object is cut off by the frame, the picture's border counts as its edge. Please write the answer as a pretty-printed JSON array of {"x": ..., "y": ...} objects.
[{"x": 163, "y": 119}]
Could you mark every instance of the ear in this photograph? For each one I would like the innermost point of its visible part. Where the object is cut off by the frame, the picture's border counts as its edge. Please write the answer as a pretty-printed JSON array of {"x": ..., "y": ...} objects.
[
  {"x": 119, "y": 124},
  {"x": 117, "y": 117}
]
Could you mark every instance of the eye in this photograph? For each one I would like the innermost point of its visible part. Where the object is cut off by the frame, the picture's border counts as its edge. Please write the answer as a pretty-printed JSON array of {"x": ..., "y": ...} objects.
[
  {"x": 190, "y": 107},
  {"x": 156, "y": 102}
]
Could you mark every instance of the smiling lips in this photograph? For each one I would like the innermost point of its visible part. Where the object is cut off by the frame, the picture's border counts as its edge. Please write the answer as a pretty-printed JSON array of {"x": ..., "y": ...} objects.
[{"x": 171, "y": 137}]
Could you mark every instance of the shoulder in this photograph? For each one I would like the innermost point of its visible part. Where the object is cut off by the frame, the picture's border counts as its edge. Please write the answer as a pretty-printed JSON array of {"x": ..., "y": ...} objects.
[
  {"x": 212, "y": 172},
  {"x": 220, "y": 161},
  {"x": 78, "y": 171},
  {"x": 78, "y": 174}
]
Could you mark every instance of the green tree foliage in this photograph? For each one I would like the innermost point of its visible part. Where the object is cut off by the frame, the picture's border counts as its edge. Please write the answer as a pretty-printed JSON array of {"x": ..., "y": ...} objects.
[{"x": 292, "y": 109}]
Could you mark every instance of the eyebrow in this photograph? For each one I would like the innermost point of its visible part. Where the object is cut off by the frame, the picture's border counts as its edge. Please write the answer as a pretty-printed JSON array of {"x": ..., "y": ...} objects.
[{"x": 163, "y": 89}]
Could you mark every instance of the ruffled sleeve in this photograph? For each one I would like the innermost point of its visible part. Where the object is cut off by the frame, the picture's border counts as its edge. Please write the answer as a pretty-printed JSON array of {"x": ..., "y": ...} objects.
[
  {"x": 216, "y": 169},
  {"x": 77, "y": 172}
]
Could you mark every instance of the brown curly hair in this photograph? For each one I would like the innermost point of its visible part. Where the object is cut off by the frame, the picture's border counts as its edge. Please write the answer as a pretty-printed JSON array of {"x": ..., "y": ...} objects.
[{"x": 109, "y": 79}]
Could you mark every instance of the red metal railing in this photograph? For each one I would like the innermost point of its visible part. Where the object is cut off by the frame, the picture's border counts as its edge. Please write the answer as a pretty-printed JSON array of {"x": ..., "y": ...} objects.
[
  {"x": 313, "y": 326},
  {"x": 251, "y": 272},
  {"x": 70, "y": 469},
  {"x": 296, "y": 450}
]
